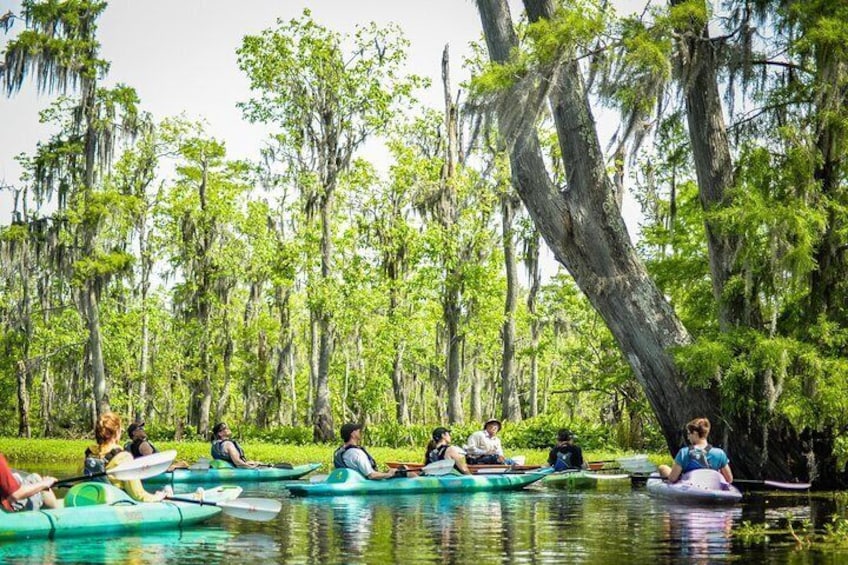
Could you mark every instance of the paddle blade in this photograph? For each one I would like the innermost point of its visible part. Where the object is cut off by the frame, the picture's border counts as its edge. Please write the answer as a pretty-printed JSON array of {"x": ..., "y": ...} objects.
[
  {"x": 143, "y": 467},
  {"x": 255, "y": 509},
  {"x": 438, "y": 468}
]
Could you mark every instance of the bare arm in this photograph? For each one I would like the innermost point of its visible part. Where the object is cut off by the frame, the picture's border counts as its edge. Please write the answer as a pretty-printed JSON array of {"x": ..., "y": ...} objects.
[
  {"x": 726, "y": 473},
  {"x": 25, "y": 491},
  {"x": 454, "y": 453},
  {"x": 376, "y": 475},
  {"x": 145, "y": 448},
  {"x": 676, "y": 470},
  {"x": 236, "y": 458}
]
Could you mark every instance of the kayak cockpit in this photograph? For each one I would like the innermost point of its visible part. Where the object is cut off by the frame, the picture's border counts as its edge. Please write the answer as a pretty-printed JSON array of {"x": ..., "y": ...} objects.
[{"x": 93, "y": 494}]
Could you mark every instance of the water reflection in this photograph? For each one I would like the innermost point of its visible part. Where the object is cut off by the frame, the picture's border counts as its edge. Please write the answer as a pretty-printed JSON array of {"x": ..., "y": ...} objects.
[
  {"x": 154, "y": 548},
  {"x": 700, "y": 534}
]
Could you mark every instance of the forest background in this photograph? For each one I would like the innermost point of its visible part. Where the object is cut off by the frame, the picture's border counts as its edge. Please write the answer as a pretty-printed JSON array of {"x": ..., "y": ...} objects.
[{"x": 145, "y": 271}]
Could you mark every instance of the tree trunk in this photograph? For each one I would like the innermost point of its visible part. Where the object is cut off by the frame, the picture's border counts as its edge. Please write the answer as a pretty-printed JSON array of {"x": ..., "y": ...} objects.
[
  {"x": 23, "y": 399},
  {"x": 476, "y": 389},
  {"x": 510, "y": 407},
  {"x": 532, "y": 263},
  {"x": 144, "y": 361},
  {"x": 447, "y": 215},
  {"x": 98, "y": 371},
  {"x": 583, "y": 226},
  {"x": 714, "y": 169},
  {"x": 322, "y": 414}
]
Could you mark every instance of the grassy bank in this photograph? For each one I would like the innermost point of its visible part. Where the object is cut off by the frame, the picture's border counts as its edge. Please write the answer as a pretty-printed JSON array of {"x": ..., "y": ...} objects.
[{"x": 22, "y": 451}]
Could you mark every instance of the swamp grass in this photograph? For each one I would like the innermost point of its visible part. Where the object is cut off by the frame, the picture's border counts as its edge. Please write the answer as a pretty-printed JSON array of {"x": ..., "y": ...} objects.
[{"x": 70, "y": 451}]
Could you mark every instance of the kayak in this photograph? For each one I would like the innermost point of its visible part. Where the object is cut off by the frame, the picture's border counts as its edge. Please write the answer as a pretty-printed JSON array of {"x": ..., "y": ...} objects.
[
  {"x": 585, "y": 479},
  {"x": 349, "y": 482},
  {"x": 475, "y": 469},
  {"x": 231, "y": 475},
  {"x": 702, "y": 486},
  {"x": 95, "y": 508}
]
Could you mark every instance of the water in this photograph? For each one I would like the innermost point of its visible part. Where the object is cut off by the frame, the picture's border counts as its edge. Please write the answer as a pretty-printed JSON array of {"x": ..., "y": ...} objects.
[{"x": 538, "y": 525}]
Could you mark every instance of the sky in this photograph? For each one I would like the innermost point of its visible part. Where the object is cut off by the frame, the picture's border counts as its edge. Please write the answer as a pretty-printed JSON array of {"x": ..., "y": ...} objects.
[{"x": 180, "y": 57}]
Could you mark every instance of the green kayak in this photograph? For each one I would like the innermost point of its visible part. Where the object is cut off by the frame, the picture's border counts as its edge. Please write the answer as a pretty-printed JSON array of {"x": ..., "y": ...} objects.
[
  {"x": 99, "y": 508},
  {"x": 346, "y": 481},
  {"x": 231, "y": 475},
  {"x": 586, "y": 479}
]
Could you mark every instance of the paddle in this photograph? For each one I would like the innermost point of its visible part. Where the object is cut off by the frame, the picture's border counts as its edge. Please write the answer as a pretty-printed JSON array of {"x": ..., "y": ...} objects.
[
  {"x": 775, "y": 485},
  {"x": 137, "y": 469},
  {"x": 438, "y": 468},
  {"x": 255, "y": 509}
]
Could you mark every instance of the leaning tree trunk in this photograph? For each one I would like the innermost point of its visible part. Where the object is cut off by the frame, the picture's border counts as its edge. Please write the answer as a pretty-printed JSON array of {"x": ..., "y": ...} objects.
[
  {"x": 583, "y": 227},
  {"x": 510, "y": 407},
  {"x": 23, "y": 399}
]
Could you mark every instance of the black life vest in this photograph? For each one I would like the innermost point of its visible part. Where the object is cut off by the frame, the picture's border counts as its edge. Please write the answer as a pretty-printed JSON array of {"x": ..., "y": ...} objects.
[
  {"x": 219, "y": 453},
  {"x": 95, "y": 465},
  {"x": 338, "y": 457},
  {"x": 134, "y": 447},
  {"x": 437, "y": 454}
]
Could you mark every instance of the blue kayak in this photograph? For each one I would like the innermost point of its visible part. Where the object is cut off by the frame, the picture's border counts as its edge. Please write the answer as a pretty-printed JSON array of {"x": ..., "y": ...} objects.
[{"x": 349, "y": 482}]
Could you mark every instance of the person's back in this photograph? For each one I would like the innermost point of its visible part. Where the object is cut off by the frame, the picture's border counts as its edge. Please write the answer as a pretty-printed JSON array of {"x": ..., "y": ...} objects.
[{"x": 709, "y": 457}]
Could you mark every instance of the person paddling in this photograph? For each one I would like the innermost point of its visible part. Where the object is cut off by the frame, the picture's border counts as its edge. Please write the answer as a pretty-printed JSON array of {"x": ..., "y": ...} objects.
[
  {"x": 565, "y": 455},
  {"x": 225, "y": 448},
  {"x": 440, "y": 449},
  {"x": 700, "y": 454},
  {"x": 107, "y": 454},
  {"x": 24, "y": 491},
  {"x": 351, "y": 455}
]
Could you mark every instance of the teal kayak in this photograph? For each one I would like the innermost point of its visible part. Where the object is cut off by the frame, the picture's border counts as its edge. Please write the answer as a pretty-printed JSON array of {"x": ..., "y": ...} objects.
[
  {"x": 100, "y": 508},
  {"x": 231, "y": 475},
  {"x": 348, "y": 482},
  {"x": 701, "y": 486},
  {"x": 578, "y": 479}
]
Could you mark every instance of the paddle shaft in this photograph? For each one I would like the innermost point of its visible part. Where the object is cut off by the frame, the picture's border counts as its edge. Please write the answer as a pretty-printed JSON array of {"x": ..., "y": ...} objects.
[{"x": 64, "y": 483}]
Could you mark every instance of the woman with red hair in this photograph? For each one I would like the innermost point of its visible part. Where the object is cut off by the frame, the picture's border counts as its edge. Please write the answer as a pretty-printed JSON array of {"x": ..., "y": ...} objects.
[{"x": 108, "y": 453}]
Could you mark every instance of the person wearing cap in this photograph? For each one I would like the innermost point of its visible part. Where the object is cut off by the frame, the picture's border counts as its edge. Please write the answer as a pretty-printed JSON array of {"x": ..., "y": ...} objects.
[
  {"x": 565, "y": 455},
  {"x": 225, "y": 448},
  {"x": 351, "y": 455},
  {"x": 440, "y": 449},
  {"x": 484, "y": 447},
  {"x": 138, "y": 445}
]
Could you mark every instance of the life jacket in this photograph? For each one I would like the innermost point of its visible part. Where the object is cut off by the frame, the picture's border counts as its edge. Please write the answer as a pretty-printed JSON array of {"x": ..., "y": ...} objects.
[
  {"x": 699, "y": 456},
  {"x": 96, "y": 465},
  {"x": 219, "y": 453},
  {"x": 437, "y": 454},
  {"x": 134, "y": 447},
  {"x": 338, "y": 456}
]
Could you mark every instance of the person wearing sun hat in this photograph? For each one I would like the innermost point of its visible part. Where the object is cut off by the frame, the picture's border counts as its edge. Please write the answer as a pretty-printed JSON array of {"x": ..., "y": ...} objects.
[
  {"x": 440, "y": 449},
  {"x": 484, "y": 447}
]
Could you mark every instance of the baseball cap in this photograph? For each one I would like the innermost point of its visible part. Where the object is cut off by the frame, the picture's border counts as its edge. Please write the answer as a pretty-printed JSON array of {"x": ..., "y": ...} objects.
[
  {"x": 348, "y": 429},
  {"x": 133, "y": 427}
]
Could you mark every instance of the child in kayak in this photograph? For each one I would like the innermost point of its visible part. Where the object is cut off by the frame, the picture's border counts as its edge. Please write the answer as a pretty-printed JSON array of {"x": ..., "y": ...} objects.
[
  {"x": 107, "y": 453},
  {"x": 29, "y": 492},
  {"x": 700, "y": 454}
]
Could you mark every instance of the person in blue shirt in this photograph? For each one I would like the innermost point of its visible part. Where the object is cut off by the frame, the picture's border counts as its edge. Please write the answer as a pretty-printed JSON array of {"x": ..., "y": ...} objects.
[{"x": 699, "y": 454}]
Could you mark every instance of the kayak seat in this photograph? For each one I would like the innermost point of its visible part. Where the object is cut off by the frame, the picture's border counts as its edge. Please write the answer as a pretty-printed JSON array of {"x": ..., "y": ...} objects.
[
  {"x": 345, "y": 476},
  {"x": 218, "y": 464},
  {"x": 91, "y": 494}
]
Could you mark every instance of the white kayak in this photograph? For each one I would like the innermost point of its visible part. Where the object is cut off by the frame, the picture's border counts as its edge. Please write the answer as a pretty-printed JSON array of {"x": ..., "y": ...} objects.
[{"x": 702, "y": 486}]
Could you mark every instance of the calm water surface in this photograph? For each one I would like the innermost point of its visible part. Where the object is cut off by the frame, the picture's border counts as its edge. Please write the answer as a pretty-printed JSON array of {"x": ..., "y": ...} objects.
[{"x": 538, "y": 525}]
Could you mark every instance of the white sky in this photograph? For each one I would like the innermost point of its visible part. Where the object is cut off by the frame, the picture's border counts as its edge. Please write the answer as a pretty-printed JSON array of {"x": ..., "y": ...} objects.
[{"x": 180, "y": 57}]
